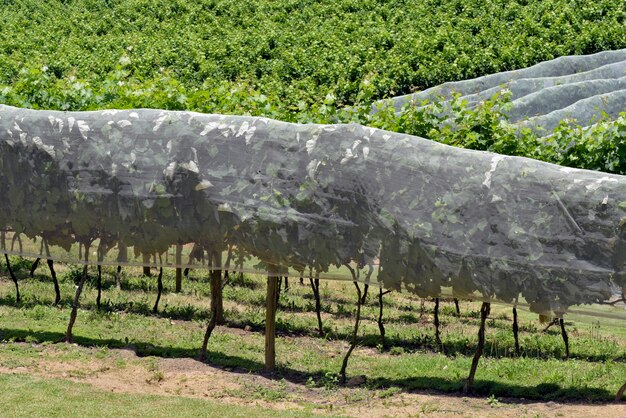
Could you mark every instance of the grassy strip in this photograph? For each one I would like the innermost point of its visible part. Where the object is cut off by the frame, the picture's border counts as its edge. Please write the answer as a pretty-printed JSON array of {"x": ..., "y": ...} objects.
[{"x": 595, "y": 371}]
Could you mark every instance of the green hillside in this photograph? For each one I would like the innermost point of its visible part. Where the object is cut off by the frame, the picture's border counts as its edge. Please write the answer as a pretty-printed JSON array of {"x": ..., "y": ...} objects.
[{"x": 277, "y": 57}]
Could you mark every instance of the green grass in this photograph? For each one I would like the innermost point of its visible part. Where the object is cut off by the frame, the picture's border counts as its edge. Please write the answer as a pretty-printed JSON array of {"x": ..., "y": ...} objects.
[
  {"x": 35, "y": 397},
  {"x": 409, "y": 360}
]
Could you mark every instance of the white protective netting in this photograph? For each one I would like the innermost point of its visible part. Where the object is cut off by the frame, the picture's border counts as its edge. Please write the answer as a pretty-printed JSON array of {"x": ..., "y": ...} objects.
[
  {"x": 583, "y": 88},
  {"x": 152, "y": 187}
]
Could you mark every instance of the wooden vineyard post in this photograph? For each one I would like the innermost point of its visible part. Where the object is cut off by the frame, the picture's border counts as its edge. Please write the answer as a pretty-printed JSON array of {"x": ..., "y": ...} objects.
[
  {"x": 146, "y": 265},
  {"x": 271, "y": 304},
  {"x": 215, "y": 264},
  {"x": 280, "y": 285},
  {"x": 315, "y": 285},
  {"x": 484, "y": 312}
]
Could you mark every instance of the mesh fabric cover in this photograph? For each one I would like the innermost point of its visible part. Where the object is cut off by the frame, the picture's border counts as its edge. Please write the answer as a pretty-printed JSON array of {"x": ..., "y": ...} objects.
[
  {"x": 334, "y": 201},
  {"x": 584, "y": 88}
]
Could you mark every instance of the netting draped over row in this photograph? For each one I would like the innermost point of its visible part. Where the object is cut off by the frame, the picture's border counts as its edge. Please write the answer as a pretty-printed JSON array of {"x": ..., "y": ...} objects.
[
  {"x": 338, "y": 201},
  {"x": 584, "y": 88}
]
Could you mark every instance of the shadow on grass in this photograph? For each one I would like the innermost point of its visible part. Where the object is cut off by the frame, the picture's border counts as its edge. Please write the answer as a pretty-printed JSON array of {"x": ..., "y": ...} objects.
[
  {"x": 425, "y": 341},
  {"x": 446, "y": 386},
  {"x": 512, "y": 391}
]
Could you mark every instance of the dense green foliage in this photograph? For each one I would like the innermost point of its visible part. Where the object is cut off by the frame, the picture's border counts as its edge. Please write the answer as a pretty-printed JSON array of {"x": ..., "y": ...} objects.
[
  {"x": 290, "y": 53},
  {"x": 602, "y": 146}
]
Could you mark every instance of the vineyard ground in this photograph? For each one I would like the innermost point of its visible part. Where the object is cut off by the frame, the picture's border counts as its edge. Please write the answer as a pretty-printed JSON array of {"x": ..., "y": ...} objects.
[{"x": 128, "y": 361}]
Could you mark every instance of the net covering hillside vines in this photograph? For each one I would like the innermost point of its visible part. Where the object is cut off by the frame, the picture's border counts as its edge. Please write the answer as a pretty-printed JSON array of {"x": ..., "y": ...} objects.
[{"x": 584, "y": 88}]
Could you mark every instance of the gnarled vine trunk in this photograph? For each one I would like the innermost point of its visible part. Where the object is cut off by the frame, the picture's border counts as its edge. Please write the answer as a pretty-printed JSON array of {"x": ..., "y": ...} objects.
[
  {"x": 565, "y": 338},
  {"x": 18, "y": 297},
  {"x": 484, "y": 312},
  {"x": 315, "y": 285},
  {"x": 516, "y": 332},
  {"x": 69, "y": 337},
  {"x": 381, "y": 326},
  {"x": 344, "y": 364},
  {"x": 55, "y": 282},
  {"x": 364, "y": 297},
  {"x": 57, "y": 291},
  {"x": 202, "y": 355},
  {"x": 155, "y": 308},
  {"x": 99, "y": 285},
  {"x": 33, "y": 267}
]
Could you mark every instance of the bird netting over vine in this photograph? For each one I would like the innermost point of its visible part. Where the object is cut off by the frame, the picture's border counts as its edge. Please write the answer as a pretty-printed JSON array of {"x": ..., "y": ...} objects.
[
  {"x": 334, "y": 201},
  {"x": 586, "y": 88}
]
